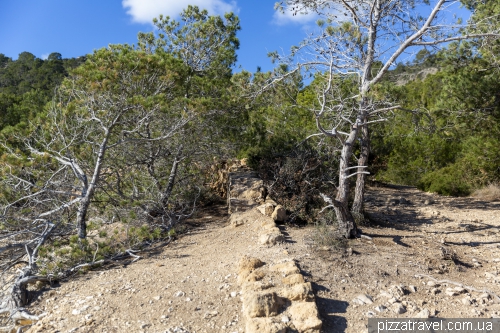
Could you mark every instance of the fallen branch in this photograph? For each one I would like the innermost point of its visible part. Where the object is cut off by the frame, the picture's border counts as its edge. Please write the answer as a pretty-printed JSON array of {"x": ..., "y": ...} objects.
[{"x": 493, "y": 296}]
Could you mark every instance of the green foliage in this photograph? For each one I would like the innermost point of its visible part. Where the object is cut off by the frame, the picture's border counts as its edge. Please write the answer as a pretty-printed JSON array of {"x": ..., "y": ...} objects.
[
  {"x": 28, "y": 83},
  {"x": 446, "y": 141},
  {"x": 445, "y": 181}
]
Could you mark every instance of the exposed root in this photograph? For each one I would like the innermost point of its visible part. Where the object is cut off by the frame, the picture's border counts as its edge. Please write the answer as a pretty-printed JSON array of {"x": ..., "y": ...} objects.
[{"x": 493, "y": 296}]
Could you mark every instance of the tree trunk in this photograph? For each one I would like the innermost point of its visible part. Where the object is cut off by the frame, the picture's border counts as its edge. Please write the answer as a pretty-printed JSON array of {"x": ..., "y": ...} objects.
[
  {"x": 359, "y": 193},
  {"x": 172, "y": 176},
  {"x": 347, "y": 225},
  {"x": 81, "y": 217},
  {"x": 17, "y": 298}
]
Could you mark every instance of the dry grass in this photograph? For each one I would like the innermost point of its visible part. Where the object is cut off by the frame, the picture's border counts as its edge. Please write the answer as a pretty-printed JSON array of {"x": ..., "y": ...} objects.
[{"x": 488, "y": 193}]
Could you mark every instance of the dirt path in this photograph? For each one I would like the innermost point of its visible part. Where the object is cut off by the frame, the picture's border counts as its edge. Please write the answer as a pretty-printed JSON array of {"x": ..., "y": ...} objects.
[
  {"x": 414, "y": 233},
  {"x": 190, "y": 285}
]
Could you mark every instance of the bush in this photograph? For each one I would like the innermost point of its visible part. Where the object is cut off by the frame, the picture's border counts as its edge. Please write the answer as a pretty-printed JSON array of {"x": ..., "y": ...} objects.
[
  {"x": 295, "y": 180},
  {"x": 326, "y": 231},
  {"x": 490, "y": 192},
  {"x": 445, "y": 181}
]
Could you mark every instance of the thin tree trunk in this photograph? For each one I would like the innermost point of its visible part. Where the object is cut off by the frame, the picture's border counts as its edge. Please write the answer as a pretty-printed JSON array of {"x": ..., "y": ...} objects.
[
  {"x": 81, "y": 217},
  {"x": 359, "y": 193},
  {"x": 347, "y": 225},
  {"x": 171, "y": 177},
  {"x": 88, "y": 191}
]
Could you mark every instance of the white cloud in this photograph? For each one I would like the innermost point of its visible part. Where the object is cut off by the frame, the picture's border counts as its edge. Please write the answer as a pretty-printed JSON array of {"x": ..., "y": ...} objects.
[
  {"x": 143, "y": 11},
  {"x": 45, "y": 56},
  {"x": 286, "y": 17}
]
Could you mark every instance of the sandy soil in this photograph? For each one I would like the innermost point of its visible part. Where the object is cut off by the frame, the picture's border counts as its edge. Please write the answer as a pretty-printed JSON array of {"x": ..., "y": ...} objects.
[{"x": 190, "y": 285}]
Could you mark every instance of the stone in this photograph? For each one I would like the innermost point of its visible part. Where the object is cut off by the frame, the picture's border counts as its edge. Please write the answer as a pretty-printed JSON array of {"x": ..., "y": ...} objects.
[
  {"x": 271, "y": 239},
  {"x": 435, "y": 291},
  {"x": 179, "y": 294},
  {"x": 266, "y": 209},
  {"x": 299, "y": 292},
  {"x": 425, "y": 313},
  {"x": 305, "y": 317},
  {"x": 257, "y": 286},
  {"x": 279, "y": 214},
  {"x": 210, "y": 314},
  {"x": 234, "y": 294},
  {"x": 392, "y": 300},
  {"x": 249, "y": 264},
  {"x": 293, "y": 279},
  {"x": 286, "y": 268},
  {"x": 412, "y": 288},
  {"x": 466, "y": 300},
  {"x": 398, "y": 308},
  {"x": 254, "y": 276},
  {"x": 484, "y": 296},
  {"x": 264, "y": 325},
  {"x": 397, "y": 291},
  {"x": 261, "y": 304},
  {"x": 429, "y": 201},
  {"x": 362, "y": 299},
  {"x": 380, "y": 308}
]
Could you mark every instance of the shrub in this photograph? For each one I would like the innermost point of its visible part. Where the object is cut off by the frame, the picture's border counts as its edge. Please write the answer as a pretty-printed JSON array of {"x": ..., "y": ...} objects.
[
  {"x": 326, "y": 231},
  {"x": 445, "y": 181},
  {"x": 296, "y": 179},
  {"x": 490, "y": 192}
]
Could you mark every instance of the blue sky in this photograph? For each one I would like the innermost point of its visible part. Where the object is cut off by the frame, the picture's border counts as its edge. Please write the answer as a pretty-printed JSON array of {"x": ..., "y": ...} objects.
[{"x": 75, "y": 27}]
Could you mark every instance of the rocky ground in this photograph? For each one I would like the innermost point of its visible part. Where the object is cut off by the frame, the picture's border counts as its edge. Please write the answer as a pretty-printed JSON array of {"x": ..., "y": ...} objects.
[{"x": 427, "y": 256}]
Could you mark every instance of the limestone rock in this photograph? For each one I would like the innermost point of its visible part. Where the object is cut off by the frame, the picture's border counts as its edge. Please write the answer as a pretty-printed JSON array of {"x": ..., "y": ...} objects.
[
  {"x": 249, "y": 264},
  {"x": 362, "y": 299},
  {"x": 266, "y": 209},
  {"x": 256, "y": 286},
  {"x": 305, "y": 317},
  {"x": 251, "y": 277},
  {"x": 279, "y": 214},
  {"x": 286, "y": 268},
  {"x": 271, "y": 239},
  {"x": 293, "y": 279},
  {"x": 263, "y": 304},
  {"x": 466, "y": 300},
  {"x": 271, "y": 201},
  {"x": 425, "y": 313},
  {"x": 299, "y": 292},
  {"x": 264, "y": 325},
  {"x": 398, "y": 308}
]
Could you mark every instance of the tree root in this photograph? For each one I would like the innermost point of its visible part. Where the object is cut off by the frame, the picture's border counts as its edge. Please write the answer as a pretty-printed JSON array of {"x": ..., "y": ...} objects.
[{"x": 493, "y": 296}]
